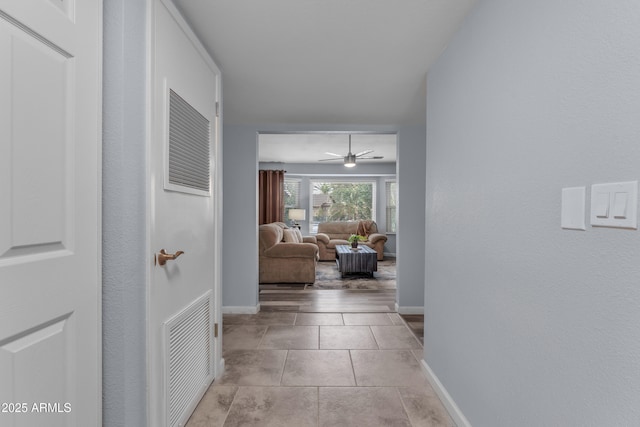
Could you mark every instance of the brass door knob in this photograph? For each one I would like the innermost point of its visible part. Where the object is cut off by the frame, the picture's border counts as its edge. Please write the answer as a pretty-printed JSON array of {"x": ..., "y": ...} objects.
[{"x": 163, "y": 256}]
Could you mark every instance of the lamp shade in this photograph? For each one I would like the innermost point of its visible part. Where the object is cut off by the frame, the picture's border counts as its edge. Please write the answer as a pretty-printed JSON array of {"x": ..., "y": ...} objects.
[{"x": 297, "y": 214}]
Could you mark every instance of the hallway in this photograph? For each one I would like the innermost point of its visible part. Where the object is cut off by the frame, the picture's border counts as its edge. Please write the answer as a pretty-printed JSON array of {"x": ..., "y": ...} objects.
[{"x": 320, "y": 369}]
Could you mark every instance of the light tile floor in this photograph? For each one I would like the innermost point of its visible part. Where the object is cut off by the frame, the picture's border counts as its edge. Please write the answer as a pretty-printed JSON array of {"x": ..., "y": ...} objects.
[{"x": 320, "y": 369}]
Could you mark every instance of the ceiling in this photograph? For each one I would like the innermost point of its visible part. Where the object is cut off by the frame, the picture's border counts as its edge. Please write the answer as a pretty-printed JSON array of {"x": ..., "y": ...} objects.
[
  {"x": 324, "y": 61},
  {"x": 310, "y": 147}
]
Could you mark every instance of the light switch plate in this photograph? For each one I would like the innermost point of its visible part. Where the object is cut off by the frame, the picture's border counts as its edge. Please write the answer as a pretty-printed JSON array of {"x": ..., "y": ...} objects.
[
  {"x": 615, "y": 205},
  {"x": 573, "y": 208}
]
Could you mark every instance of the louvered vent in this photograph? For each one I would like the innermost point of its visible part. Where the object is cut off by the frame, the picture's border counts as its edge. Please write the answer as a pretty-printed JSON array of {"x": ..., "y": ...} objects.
[
  {"x": 189, "y": 133},
  {"x": 189, "y": 358}
]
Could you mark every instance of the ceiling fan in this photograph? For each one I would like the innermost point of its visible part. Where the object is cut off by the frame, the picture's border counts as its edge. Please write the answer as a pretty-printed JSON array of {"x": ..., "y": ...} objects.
[{"x": 349, "y": 158}]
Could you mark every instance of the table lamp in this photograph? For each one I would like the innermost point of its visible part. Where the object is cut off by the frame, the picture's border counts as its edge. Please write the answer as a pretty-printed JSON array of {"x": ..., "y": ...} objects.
[{"x": 296, "y": 215}]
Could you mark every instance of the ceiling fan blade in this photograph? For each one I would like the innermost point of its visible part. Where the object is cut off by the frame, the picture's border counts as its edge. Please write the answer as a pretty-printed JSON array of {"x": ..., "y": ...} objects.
[
  {"x": 362, "y": 153},
  {"x": 372, "y": 157},
  {"x": 327, "y": 160},
  {"x": 334, "y": 154}
]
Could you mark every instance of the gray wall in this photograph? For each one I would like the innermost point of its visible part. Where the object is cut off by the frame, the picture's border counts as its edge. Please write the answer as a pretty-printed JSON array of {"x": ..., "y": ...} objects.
[
  {"x": 528, "y": 324},
  {"x": 240, "y": 208},
  {"x": 410, "y": 245},
  {"x": 332, "y": 169},
  {"x": 240, "y": 275},
  {"x": 123, "y": 214}
]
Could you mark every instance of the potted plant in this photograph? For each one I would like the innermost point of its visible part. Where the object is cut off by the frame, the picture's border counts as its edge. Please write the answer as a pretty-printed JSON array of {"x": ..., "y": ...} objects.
[{"x": 354, "y": 239}]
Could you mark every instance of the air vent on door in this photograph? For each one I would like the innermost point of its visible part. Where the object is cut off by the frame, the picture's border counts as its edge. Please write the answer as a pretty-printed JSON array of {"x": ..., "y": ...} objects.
[
  {"x": 189, "y": 136},
  {"x": 189, "y": 358}
]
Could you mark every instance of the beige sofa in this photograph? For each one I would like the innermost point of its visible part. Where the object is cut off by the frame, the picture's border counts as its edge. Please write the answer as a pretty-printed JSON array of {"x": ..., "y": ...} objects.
[
  {"x": 284, "y": 256},
  {"x": 335, "y": 233}
]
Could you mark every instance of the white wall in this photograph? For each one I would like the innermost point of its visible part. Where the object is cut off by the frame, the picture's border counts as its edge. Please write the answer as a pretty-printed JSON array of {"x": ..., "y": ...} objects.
[
  {"x": 123, "y": 214},
  {"x": 528, "y": 324},
  {"x": 240, "y": 276}
]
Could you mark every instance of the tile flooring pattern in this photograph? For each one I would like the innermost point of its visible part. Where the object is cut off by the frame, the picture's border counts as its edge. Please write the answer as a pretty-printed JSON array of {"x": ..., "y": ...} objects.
[{"x": 320, "y": 369}]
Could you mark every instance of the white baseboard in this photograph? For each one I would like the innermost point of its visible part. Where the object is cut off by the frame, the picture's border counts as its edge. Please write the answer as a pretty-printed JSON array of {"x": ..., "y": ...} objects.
[
  {"x": 221, "y": 367},
  {"x": 240, "y": 309},
  {"x": 456, "y": 414},
  {"x": 409, "y": 309}
]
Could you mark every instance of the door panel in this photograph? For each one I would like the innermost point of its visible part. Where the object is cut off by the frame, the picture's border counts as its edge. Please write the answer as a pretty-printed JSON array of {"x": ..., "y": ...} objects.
[
  {"x": 37, "y": 183},
  {"x": 50, "y": 106},
  {"x": 33, "y": 362},
  {"x": 181, "y": 218}
]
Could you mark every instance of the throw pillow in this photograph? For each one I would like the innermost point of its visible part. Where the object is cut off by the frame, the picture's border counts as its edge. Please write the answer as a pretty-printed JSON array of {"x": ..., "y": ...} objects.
[
  {"x": 364, "y": 228},
  {"x": 290, "y": 236},
  {"x": 298, "y": 234}
]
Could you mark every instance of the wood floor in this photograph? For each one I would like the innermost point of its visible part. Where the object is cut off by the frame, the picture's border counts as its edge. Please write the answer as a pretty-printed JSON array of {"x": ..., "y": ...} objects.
[
  {"x": 305, "y": 299},
  {"x": 292, "y": 298},
  {"x": 297, "y": 299}
]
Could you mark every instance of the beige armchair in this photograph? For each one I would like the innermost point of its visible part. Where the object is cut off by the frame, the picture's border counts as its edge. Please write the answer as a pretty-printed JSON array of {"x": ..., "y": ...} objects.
[
  {"x": 334, "y": 233},
  {"x": 284, "y": 256}
]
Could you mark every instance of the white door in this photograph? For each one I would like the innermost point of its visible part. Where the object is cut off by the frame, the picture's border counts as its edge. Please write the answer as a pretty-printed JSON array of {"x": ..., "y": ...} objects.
[
  {"x": 50, "y": 133},
  {"x": 182, "y": 302}
]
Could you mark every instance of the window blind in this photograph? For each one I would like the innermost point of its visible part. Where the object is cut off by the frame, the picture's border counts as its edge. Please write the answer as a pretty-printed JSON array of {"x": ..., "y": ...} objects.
[{"x": 391, "y": 188}]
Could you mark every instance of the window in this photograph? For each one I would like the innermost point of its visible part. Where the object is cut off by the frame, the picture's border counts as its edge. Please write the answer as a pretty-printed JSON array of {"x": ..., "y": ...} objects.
[
  {"x": 291, "y": 195},
  {"x": 392, "y": 197},
  {"x": 342, "y": 201}
]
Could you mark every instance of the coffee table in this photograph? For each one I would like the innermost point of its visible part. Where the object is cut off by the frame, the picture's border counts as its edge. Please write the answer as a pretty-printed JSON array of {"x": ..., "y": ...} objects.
[{"x": 364, "y": 260}]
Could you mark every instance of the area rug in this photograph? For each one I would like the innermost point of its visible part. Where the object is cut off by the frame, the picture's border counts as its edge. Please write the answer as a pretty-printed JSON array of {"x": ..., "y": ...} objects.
[{"x": 328, "y": 277}]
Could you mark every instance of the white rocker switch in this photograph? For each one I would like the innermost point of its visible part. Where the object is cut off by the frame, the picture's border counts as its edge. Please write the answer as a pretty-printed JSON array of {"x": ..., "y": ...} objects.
[
  {"x": 615, "y": 204},
  {"x": 602, "y": 205},
  {"x": 620, "y": 205}
]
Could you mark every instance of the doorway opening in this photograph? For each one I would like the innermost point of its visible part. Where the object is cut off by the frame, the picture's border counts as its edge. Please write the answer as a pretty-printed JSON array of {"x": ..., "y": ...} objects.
[{"x": 318, "y": 182}]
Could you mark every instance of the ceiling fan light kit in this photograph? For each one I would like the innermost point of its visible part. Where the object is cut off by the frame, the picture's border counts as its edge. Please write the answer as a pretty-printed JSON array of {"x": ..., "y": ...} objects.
[{"x": 350, "y": 158}]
